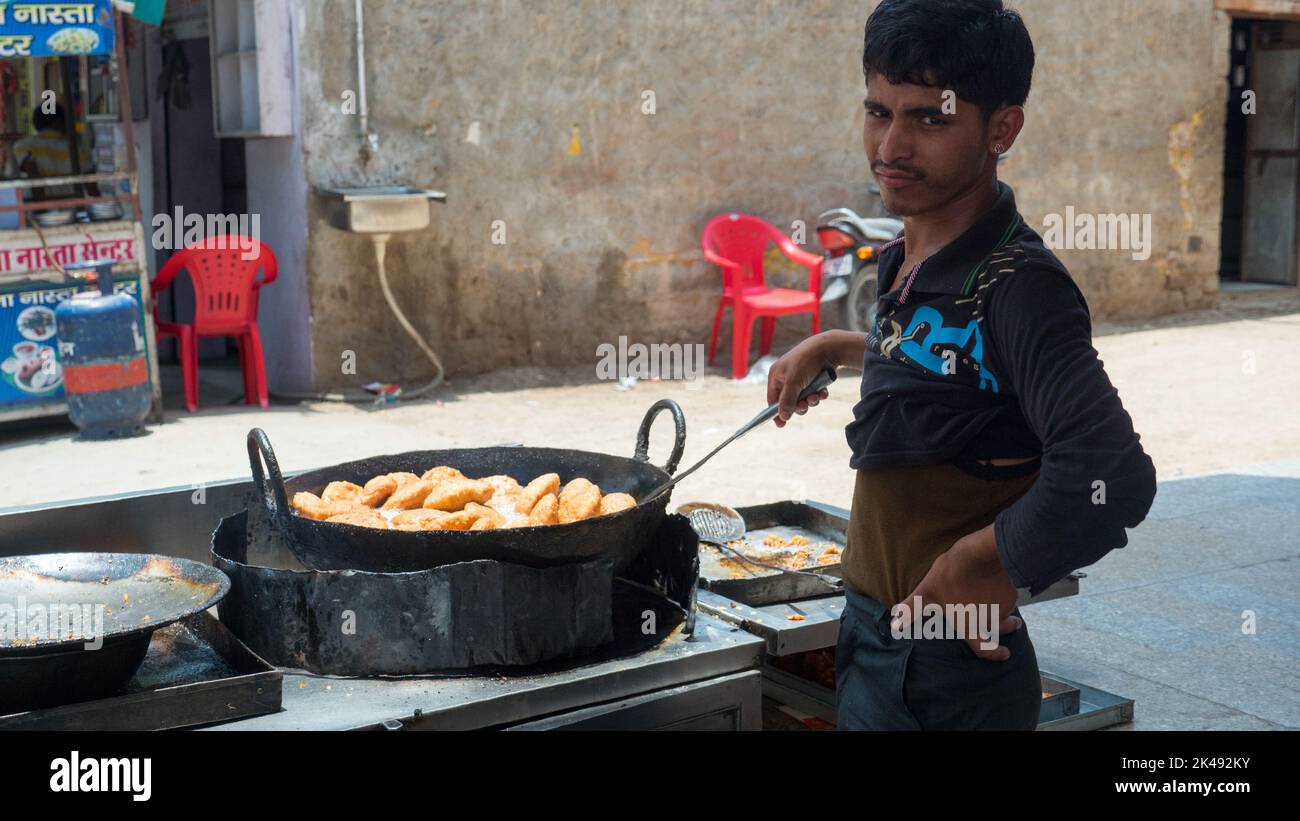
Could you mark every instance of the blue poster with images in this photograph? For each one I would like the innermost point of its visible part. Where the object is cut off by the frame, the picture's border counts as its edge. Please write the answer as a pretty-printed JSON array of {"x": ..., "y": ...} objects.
[
  {"x": 34, "y": 29},
  {"x": 30, "y": 370}
]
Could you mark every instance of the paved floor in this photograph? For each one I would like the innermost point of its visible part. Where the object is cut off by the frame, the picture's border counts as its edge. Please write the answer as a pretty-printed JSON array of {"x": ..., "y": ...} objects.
[
  {"x": 1207, "y": 391},
  {"x": 1161, "y": 620}
]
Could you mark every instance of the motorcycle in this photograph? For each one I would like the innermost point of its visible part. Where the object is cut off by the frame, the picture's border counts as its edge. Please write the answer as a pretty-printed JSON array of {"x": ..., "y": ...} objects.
[{"x": 851, "y": 247}]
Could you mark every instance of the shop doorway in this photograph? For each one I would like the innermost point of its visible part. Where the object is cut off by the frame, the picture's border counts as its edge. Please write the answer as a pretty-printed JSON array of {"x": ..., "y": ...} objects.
[
  {"x": 194, "y": 172},
  {"x": 1261, "y": 204}
]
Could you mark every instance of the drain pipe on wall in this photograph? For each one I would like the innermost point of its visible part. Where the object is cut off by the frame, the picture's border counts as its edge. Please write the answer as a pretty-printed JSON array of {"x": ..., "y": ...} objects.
[
  {"x": 370, "y": 147},
  {"x": 381, "y": 246},
  {"x": 369, "y": 138}
]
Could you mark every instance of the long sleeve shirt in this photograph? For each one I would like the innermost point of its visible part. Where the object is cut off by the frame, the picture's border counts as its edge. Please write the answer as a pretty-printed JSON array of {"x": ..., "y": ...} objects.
[{"x": 985, "y": 351}]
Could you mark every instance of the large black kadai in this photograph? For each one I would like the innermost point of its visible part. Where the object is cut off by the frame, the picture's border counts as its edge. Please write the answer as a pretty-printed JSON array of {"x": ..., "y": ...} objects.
[{"x": 335, "y": 599}]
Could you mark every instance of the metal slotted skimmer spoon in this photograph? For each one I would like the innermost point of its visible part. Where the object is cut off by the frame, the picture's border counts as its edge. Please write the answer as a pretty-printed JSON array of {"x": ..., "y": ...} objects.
[
  {"x": 718, "y": 525},
  {"x": 825, "y": 378}
]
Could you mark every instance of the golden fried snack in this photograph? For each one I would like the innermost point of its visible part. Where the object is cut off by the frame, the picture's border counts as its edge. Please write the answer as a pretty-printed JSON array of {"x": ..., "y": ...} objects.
[
  {"x": 442, "y": 473},
  {"x": 546, "y": 511},
  {"x": 506, "y": 503},
  {"x": 460, "y": 520},
  {"x": 614, "y": 502},
  {"x": 314, "y": 507},
  {"x": 445, "y": 499},
  {"x": 341, "y": 492},
  {"x": 579, "y": 500},
  {"x": 403, "y": 478},
  {"x": 484, "y": 512},
  {"x": 502, "y": 483},
  {"x": 364, "y": 517},
  {"x": 506, "y": 499},
  {"x": 536, "y": 489},
  {"x": 410, "y": 495},
  {"x": 377, "y": 490},
  {"x": 454, "y": 494},
  {"x": 419, "y": 519}
]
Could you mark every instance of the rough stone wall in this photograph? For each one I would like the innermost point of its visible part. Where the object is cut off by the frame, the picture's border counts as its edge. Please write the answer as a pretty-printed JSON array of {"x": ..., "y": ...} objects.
[
  {"x": 1126, "y": 115},
  {"x": 757, "y": 108}
]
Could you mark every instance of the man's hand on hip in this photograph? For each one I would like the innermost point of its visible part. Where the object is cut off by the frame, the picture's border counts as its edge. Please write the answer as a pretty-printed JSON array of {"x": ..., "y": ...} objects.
[{"x": 967, "y": 573}]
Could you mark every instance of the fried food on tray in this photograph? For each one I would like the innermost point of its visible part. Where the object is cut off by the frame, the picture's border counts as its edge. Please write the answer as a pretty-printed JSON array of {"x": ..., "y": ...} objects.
[
  {"x": 614, "y": 502},
  {"x": 314, "y": 507},
  {"x": 579, "y": 500},
  {"x": 454, "y": 494},
  {"x": 536, "y": 489},
  {"x": 377, "y": 490},
  {"x": 409, "y": 495},
  {"x": 546, "y": 511},
  {"x": 444, "y": 498}
]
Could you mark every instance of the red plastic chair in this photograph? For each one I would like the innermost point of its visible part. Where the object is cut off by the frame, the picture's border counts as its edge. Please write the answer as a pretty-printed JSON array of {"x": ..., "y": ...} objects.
[
  {"x": 737, "y": 242},
  {"x": 225, "y": 304}
]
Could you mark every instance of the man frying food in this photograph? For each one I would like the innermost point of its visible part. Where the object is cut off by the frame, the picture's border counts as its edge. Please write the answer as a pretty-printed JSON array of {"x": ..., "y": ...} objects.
[{"x": 992, "y": 452}]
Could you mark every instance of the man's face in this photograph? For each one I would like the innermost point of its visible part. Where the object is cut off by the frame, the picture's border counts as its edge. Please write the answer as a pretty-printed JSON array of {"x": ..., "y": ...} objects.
[{"x": 925, "y": 147}]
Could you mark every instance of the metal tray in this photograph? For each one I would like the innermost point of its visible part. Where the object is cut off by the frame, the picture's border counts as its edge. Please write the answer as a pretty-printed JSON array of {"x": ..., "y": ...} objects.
[
  {"x": 820, "y": 524},
  {"x": 1067, "y": 705},
  {"x": 1060, "y": 700},
  {"x": 1098, "y": 709},
  {"x": 809, "y": 624},
  {"x": 195, "y": 673}
]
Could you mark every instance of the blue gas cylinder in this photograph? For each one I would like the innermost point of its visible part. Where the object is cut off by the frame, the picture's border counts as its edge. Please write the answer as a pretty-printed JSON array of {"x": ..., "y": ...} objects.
[{"x": 102, "y": 351}]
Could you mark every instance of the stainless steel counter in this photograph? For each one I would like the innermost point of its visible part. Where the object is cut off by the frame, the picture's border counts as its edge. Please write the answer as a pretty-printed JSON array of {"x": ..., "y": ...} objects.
[
  {"x": 709, "y": 681},
  {"x": 711, "y": 678}
]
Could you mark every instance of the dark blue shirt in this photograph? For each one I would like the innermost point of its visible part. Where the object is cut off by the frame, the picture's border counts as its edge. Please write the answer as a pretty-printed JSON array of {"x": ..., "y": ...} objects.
[{"x": 985, "y": 351}]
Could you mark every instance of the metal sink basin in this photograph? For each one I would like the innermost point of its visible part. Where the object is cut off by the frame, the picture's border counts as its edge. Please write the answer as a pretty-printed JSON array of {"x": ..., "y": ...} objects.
[{"x": 380, "y": 209}]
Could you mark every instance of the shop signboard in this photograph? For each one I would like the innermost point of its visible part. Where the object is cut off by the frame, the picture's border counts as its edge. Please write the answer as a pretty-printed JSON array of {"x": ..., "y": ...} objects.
[
  {"x": 29, "y": 365},
  {"x": 35, "y": 29}
]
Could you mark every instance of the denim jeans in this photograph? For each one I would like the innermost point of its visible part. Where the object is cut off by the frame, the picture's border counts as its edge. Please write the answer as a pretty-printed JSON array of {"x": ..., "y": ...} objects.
[{"x": 884, "y": 683}]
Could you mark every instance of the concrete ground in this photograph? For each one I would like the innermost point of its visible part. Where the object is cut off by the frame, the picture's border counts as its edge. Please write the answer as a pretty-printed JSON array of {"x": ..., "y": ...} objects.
[
  {"x": 1214, "y": 395},
  {"x": 1207, "y": 391},
  {"x": 1198, "y": 618}
]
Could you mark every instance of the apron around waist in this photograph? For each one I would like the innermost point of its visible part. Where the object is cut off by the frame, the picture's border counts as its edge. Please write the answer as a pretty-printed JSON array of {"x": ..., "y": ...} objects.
[{"x": 902, "y": 519}]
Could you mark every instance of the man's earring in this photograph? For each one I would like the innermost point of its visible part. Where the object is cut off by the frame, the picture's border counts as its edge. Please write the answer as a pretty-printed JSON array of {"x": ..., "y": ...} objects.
[{"x": 997, "y": 148}]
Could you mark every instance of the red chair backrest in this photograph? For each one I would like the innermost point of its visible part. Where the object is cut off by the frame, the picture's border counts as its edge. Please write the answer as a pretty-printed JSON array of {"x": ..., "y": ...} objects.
[
  {"x": 225, "y": 283},
  {"x": 743, "y": 239}
]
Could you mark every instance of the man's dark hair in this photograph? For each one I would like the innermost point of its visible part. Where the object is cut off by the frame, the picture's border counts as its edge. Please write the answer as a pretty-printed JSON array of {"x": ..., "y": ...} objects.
[
  {"x": 55, "y": 119},
  {"x": 978, "y": 48}
]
